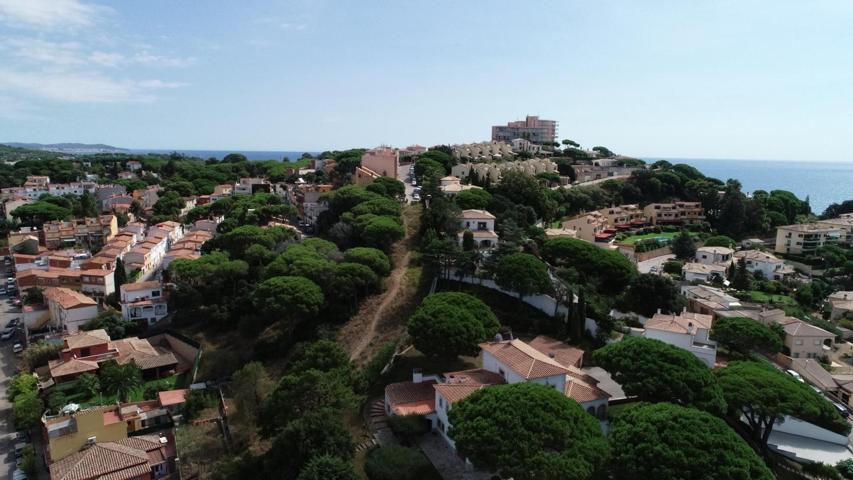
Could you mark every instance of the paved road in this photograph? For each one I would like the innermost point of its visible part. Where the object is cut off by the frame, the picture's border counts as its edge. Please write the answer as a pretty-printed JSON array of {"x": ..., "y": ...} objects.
[
  {"x": 8, "y": 364},
  {"x": 403, "y": 175},
  {"x": 658, "y": 262}
]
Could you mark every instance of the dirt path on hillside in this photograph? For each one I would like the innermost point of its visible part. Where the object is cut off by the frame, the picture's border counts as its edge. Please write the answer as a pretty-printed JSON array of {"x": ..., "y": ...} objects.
[{"x": 380, "y": 317}]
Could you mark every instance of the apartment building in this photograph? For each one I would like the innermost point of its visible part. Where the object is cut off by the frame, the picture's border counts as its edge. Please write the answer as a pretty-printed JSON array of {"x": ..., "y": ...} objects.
[
  {"x": 143, "y": 302},
  {"x": 146, "y": 197},
  {"x": 91, "y": 231},
  {"x": 146, "y": 255},
  {"x": 590, "y": 227},
  {"x": 532, "y": 128},
  {"x": 492, "y": 171},
  {"x": 172, "y": 231},
  {"x": 482, "y": 225},
  {"x": 99, "y": 283},
  {"x": 589, "y": 173},
  {"x": 403, "y": 153},
  {"x": 624, "y": 217},
  {"x": 482, "y": 151},
  {"x": 804, "y": 239},
  {"x": 307, "y": 198},
  {"x": 187, "y": 248},
  {"x": 13, "y": 202},
  {"x": 686, "y": 213},
  {"x": 382, "y": 160},
  {"x": 843, "y": 223}
]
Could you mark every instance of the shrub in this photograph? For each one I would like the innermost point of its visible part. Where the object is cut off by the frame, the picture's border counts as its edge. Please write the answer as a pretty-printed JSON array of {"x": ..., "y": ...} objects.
[
  {"x": 196, "y": 401},
  {"x": 374, "y": 367},
  {"x": 397, "y": 463},
  {"x": 673, "y": 267},
  {"x": 408, "y": 427}
]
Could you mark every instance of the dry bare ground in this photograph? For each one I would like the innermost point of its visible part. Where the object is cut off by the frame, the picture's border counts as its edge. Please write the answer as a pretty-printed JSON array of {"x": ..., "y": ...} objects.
[{"x": 383, "y": 317}]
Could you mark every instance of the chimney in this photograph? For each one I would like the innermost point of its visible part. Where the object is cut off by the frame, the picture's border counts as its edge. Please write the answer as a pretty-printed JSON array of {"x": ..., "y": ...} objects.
[
  {"x": 659, "y": 311},
  {"x": 417, "y": 375}
]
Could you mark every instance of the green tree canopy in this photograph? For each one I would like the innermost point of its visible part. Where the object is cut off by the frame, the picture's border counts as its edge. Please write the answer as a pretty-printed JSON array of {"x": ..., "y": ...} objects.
[
  {"x": 742, "y": 336},
  {"x": 371, "y": 257},
  {"x": 658, "y": 441},
  {"x": 443, "y": 329},
  {"x": 657, "y": 372},
  {"x": 394, "y": 462},
  {"x": 764, "y": 395},
  {"x": 327, "y": 467},
  {"x": 476, "y": 198},
  {"x": 528, "y": 431},
  {"x": 120, "y": 379},
  {"x": 523, "y": 274},
  {"x": 720, "y": 241},
  {"x": 27, "y": 410},
  {"x": 683, "y": 245},
  {"x": 610, "y": 270},
  {"x": 288, "y": 298},
  {"x": 302, "y": 392},
  {"x": 648, "y": 292}
]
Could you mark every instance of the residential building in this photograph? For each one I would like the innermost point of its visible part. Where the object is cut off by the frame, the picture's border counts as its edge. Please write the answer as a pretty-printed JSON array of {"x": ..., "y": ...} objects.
[
  {"x": 590, "y": 173},
  {"x": 97, "y": 283},
  {"x": 624, "y": 217},
  {"x": 147, "y": 255},
  {"x": 35, "y": 187},
  {"x": 188, "y": 248},
  {"x": 173, "y": 231},
  {"x": 591, "y": 227},
  {"x": 708, "y": 300},
  {"x": 522, "y": 145},
  {"x": 687, "y": 213},
  {"x": 13, "y": 202},
  {"x": 771, "y": 267},
  {"x": 702, "y": 272},
  {"x": 94, "y": 232},
  {"x": 309, "y": 200},
  {"x": 714, "y": 255},
  {"x": 403, "y": 153},
  {"x": 451, "y": 185},
  {"x": 381, "y": 160},
  {"x": 69, "y": 309},
  {"x": 688, "y": 331},
  {"x": 491, "y": 172},
  {"x": 804, "y": 239},
  {"x": 147, "y": 197},
  {"x": 532, "y": 128},
  {"x": 482, "y": 225},
  {"x": 143, "y": 302},
  {"x": 84, "y": 351},
  {"x": 843, "y": 223},
  {"x": 802, "y": 340},
  {"x": 482, "y": 151},
  {"x": 841, "y": 304},
  {"x": 221, "y": 191},
  {"x": 134, "y": 165},
  {"x": 251, "y": 185},
  {"x": 544, "y": 361}
]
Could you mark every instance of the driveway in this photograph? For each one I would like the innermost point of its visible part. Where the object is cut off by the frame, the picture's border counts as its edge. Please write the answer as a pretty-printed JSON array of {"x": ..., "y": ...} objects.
[{"x": 646, "y": 266}]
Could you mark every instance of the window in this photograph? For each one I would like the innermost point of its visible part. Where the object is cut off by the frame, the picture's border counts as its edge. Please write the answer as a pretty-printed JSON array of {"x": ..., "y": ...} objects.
[
  {"x": 440, "y": 402},
  {"x": 817, "y": 343},
  {"x": 155, "y": 293},
  {"x": 798, "y": 342}
]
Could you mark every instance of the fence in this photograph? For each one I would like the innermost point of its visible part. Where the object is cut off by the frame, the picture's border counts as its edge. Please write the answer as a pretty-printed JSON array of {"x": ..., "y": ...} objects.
[{"x": 544, "y": 303}]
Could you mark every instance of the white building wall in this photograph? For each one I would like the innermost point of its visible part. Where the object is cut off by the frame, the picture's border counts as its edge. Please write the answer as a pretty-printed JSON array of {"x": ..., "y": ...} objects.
[{"x": 74, "y": 318}]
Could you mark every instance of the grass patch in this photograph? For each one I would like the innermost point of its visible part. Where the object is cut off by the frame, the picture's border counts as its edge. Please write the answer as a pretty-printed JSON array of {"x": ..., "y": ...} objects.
[
  {"x": 136, "y": 395},
  {"x": 668, "y": 235},
  {"x": 763, "y": 297}
]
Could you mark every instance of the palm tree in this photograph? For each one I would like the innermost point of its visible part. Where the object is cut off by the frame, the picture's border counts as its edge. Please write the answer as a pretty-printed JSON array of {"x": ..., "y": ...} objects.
[{"x": 120, "y": 379}]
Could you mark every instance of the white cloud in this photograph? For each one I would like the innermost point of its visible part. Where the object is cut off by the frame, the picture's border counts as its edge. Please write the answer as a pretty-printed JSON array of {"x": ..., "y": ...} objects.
[
  {"x": 42, "y": 52},
  {"x": 81, "y": 87},
  {"x": 50, "y": 13},
  {"x": 146, "y": 58},
  {"x": 107, "y": 59}
]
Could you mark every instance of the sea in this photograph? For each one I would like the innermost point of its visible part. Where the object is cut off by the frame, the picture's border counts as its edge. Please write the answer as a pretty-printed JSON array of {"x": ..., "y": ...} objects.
[
  {"x": 219, "y": 154},
  {"x": 823, "y": 182}
]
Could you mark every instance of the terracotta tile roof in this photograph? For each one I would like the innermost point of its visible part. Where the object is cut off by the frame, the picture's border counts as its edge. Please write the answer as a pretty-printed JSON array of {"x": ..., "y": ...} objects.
[
  {"x": 409, "y": 392},
  {"x": 172, "y": 397},
  {"x": 130, "y": 287},
  {"x": 582, "y": 387},
  {"x": 679, "y": 323},
  {"x": 757, "y": 255},
  {"x": 565, "y": 354},
  {"x": 524, "y": 359},
  {"x": 142, "y": 353},
  {"x": 799, "y": 328},
  {"x": 122, "y": 460},
  {"x": 67, "y": 298},
  {"x": 456, "y": 392},
  {"x": 74, "y": 366},
  {"x": 475, "y": 214},
  {"x": 475, "y": 376},
  {"x": 702, "y": 268},
  {"x": 85, "y": 339}
]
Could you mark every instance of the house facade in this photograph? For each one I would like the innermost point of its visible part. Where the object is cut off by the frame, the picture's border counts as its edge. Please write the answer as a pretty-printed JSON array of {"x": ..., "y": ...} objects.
[
  {"x": 687, "y": 213},
  {"x": 769, "y": 265},
  {"x": 701, "y": 272},
  {"x": 804, "y": 239},
  {"x": 482, "y": 225},
  {"x": 590, "y": 227},
  {"x": 714, "y": 255},
  {"x": 69, "y": 309},
  {"x": 532, "y": 129},
  {"x": 143, "y": 302},
  {"x": 688, "y": 331}
]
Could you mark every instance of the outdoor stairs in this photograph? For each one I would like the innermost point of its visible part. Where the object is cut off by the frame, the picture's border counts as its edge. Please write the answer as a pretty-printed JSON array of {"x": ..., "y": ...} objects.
[{"x": 378, "y": 422}]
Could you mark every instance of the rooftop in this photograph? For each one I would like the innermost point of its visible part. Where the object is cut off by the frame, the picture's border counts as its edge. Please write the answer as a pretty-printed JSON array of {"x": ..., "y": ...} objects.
[
  {"x": 523, "y": 359},
  {"x": 681, "y": 323},
  {"x": 132, "y": 287},
  {"x": 476, "y": 214}
]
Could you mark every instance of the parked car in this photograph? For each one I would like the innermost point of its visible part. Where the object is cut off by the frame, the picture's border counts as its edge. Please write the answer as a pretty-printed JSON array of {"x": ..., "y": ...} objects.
[
  {"x": 19, "y": 474},
  {"x": 12, "y": 323},
  {"x": 17, "y": 348},
  {"x": 19, "y": 448},
  {"x": 16, "y": 302},
  {"x": 795, "y": 375},
  {"x": 7, "y": 333},
  {"x": 841, "y": 409}
]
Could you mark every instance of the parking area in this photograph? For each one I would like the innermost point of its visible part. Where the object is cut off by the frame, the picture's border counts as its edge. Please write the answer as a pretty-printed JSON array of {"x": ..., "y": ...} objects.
[
  {"x": 8, "y": 368},
  {"x": 405, "y": 174}
]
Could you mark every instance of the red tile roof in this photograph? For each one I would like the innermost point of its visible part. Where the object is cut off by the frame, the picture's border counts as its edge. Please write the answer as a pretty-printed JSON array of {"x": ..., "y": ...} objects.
[{"x": 524, "y": 359}]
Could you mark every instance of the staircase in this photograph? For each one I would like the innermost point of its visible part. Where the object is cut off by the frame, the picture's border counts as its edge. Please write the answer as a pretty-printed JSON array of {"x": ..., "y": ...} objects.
[{"x": 377, "y": 421}]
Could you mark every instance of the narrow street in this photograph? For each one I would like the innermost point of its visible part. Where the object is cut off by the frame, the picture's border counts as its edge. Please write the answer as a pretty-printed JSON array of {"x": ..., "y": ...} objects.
[{"x": 8, "y": 367}]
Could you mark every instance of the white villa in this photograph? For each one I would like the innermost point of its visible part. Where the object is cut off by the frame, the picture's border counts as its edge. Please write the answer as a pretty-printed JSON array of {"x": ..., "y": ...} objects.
[
  {"x": 688, "y": 331},
  {"x": 771, "y": 267},
  {"x": 544, "y": 360}
]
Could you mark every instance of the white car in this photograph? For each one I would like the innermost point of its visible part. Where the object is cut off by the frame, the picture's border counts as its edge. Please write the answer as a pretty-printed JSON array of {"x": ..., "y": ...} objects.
[
  {"x": 17, "y": 348},
  {"x": 795, "y": 375},
  {"x": 7, "y": 334}
]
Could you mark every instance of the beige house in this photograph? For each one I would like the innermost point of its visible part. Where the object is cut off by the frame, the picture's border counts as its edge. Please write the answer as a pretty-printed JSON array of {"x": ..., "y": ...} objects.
[
  {"x": 589, "y": 226},
  {"x": 841, "y": 303},
  {"x": 688, "y": 331},
  {"x": 95, "y": 231},
  {"x": 451, "y": 185},
  {"x": 769, "y": 265},
  {"x": 688, "y": 213},
  {"x": 482, "y": 225},
  {"x": 624, "y": 216},
  {"x": 701, "y": 272},
  {"x": 844, "y": 223},
  {"x": 806, "y": 238},
  {"x": 802, "y": 340}
]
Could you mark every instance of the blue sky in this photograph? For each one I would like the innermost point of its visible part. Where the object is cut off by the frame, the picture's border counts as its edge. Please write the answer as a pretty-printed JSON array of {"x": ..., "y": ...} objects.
[{"x": 766, "y": 79}]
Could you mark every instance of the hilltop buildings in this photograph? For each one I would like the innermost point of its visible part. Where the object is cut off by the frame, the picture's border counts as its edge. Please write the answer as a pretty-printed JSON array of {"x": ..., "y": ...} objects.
[
  {"x": 804, "y": 239},
  {"x": 532, "y": 129}
]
